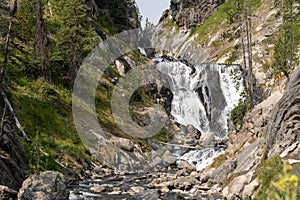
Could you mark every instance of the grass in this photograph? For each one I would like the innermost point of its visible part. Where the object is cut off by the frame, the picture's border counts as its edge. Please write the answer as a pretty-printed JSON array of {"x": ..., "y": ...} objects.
[
  {"x": 217, "y": 21},
  {"x": 268, "y": 172},
  {"x": 171, "y": 24},
  {"x": 45, "y": 113}
]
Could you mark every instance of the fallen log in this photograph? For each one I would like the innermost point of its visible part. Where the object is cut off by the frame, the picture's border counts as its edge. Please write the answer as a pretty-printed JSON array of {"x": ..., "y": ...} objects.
[{"x": 11, "y": 110}]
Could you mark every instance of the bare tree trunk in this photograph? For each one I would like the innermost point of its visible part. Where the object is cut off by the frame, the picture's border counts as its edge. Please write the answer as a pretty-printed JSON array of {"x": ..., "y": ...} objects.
[
  {"x": 291, "y": 36},
  {"x": 41, "y": 40},
  {"x": 74, "y": 66},
  {"x": 250, "y": 77},
  {"x": 12, "y": 14},
  {"x": 244, "y": 51}
]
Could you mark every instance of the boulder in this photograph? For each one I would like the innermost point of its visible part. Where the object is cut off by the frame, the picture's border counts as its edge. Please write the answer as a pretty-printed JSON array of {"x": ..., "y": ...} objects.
[
  {"x": 250, "y": 188},
  {"x": 7, "y": 193},
  {"x": 49, "y": 185},
  {"x": 236, "y": 187},
  {"x": 221, "y": 173},
  {"x": 97, "y": 189},
  {"x": 13, "y": 162},
  {"x": 122, "y": 143}
]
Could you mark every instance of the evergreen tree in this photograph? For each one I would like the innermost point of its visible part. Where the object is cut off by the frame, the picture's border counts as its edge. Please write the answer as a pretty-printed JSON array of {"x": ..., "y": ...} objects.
[
  {"x": 73, "y": 40},
  {"x": 288, "y": 40},
  {"x": 41, "y": 41}
]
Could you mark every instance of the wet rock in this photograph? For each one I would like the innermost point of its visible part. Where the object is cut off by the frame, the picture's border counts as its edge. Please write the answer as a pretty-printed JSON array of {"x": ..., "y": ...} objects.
[
  {"x": 186, "y": 165},
  {"x": 97, "y": 189},
  {"x": 48, "y": 185},
  {"x": 7, "y": 193},
  {"x": 152, "y": 194},
  {"x": 183, "y": 183}
]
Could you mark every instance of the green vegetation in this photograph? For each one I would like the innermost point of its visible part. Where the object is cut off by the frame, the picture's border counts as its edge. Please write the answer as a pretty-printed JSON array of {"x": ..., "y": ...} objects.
[
  {"x": 277, "y": 181},
  {"x": 45, "y": 112},
  {"x": 163, "y": 136},
  {"x": 285, "y": 56},
  {"x": 39, "y": 83},
  {"x": 238, "y": 113},
  {"x": 171, "y": 24},
  {"x": 219, "y": 20}
]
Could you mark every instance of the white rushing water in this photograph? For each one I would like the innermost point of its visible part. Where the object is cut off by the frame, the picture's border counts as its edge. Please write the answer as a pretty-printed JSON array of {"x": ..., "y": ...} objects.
[{"x": 204, "y": 96}]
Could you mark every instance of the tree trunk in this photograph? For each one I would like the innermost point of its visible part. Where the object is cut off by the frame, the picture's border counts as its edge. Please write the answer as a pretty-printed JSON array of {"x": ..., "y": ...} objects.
[
  {"x": 12, "y": 14},
  {"x": 291, "y": 36},
  {"x": 41, "y": 41}
]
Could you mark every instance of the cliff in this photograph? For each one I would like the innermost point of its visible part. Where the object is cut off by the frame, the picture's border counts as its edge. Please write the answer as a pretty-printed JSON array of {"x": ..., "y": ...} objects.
[{"x": 190, "y": 13}]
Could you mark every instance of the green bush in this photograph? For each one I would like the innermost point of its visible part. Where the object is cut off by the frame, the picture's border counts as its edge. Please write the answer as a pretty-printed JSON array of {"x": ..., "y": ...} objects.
[{"x": 238, "y": 113}]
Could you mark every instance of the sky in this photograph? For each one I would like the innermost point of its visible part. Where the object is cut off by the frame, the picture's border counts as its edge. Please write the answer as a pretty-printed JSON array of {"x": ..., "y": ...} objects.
[{"x": 152, "y": 9}]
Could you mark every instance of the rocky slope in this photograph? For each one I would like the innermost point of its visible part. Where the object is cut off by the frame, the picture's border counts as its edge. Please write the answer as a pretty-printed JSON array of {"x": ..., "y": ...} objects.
[{"x": 190, "y": 13}]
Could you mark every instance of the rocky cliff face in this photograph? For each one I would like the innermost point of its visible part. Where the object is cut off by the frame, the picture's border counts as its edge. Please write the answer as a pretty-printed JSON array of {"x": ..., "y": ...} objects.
[
  {"x": 283, "y": 129},
  {"x": 189, "y": 13},
  {"x": 120, "y": 14},
  {"x": 13, "y": 161}
]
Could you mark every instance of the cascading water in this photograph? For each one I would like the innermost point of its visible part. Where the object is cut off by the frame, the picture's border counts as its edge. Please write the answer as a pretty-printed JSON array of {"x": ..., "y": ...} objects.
[{"x": 203, "y": 97}]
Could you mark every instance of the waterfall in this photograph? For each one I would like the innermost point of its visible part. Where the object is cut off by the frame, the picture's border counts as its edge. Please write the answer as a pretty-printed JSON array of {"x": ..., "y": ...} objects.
[{"x": 204, "y": 96}]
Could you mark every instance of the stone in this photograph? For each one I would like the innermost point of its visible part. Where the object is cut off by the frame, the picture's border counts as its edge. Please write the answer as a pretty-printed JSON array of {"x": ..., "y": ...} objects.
[
  {"x": 13, "y": 162},
  {"x": 236, "y": 186},
  {"x": 250, "y": 188},
  {"x": 248, "y": 158},
  {"x": 152, "y": 194},
  {"x": 186, "y": 165},
  {"x": 289, "y": 149},
  {"x": 49, "y": 185},
  {"x": 97, "y": 189},
  {"x": 168, "y": 158},
  {"x": 283, "y": 126},
  {"x": 117, "y": 192},
  {"x": 164, "y": 189},
  {"x": 222, "y": 171},
  {"x": 123, "y": 143},
  {"x": 293, "y": 161},
  {"x": 7, "y": 193},
  {"x": 137, "y": 189}
]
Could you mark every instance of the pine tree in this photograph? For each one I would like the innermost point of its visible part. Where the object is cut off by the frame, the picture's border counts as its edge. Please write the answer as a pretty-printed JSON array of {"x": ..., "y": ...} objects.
[
  {"x": 41, "y": 41},
  {"x": 73, "y": 40},
  {"x": 288, "y": 40}
]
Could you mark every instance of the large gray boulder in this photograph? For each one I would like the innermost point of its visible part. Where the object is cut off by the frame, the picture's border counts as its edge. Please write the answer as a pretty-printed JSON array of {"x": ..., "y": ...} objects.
[
  {"x": 48, "y": 185},
  {"x": 283, "y": 128}
]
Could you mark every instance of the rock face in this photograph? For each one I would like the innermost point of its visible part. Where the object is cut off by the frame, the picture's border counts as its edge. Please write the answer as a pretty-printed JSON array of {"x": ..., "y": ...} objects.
[
  {"x": 283, "y": 128},
  {"x": 12, "y": 159},
  {"x": 189, "y": 13},
  {"x": 46, "y": 186},
  {"x": 121, "y": 15},
  {"x": 7, "y": 193}
]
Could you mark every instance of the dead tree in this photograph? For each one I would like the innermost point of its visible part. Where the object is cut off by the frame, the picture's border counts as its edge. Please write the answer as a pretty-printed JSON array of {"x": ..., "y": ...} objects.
[{"x": 7, "y": 104}]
